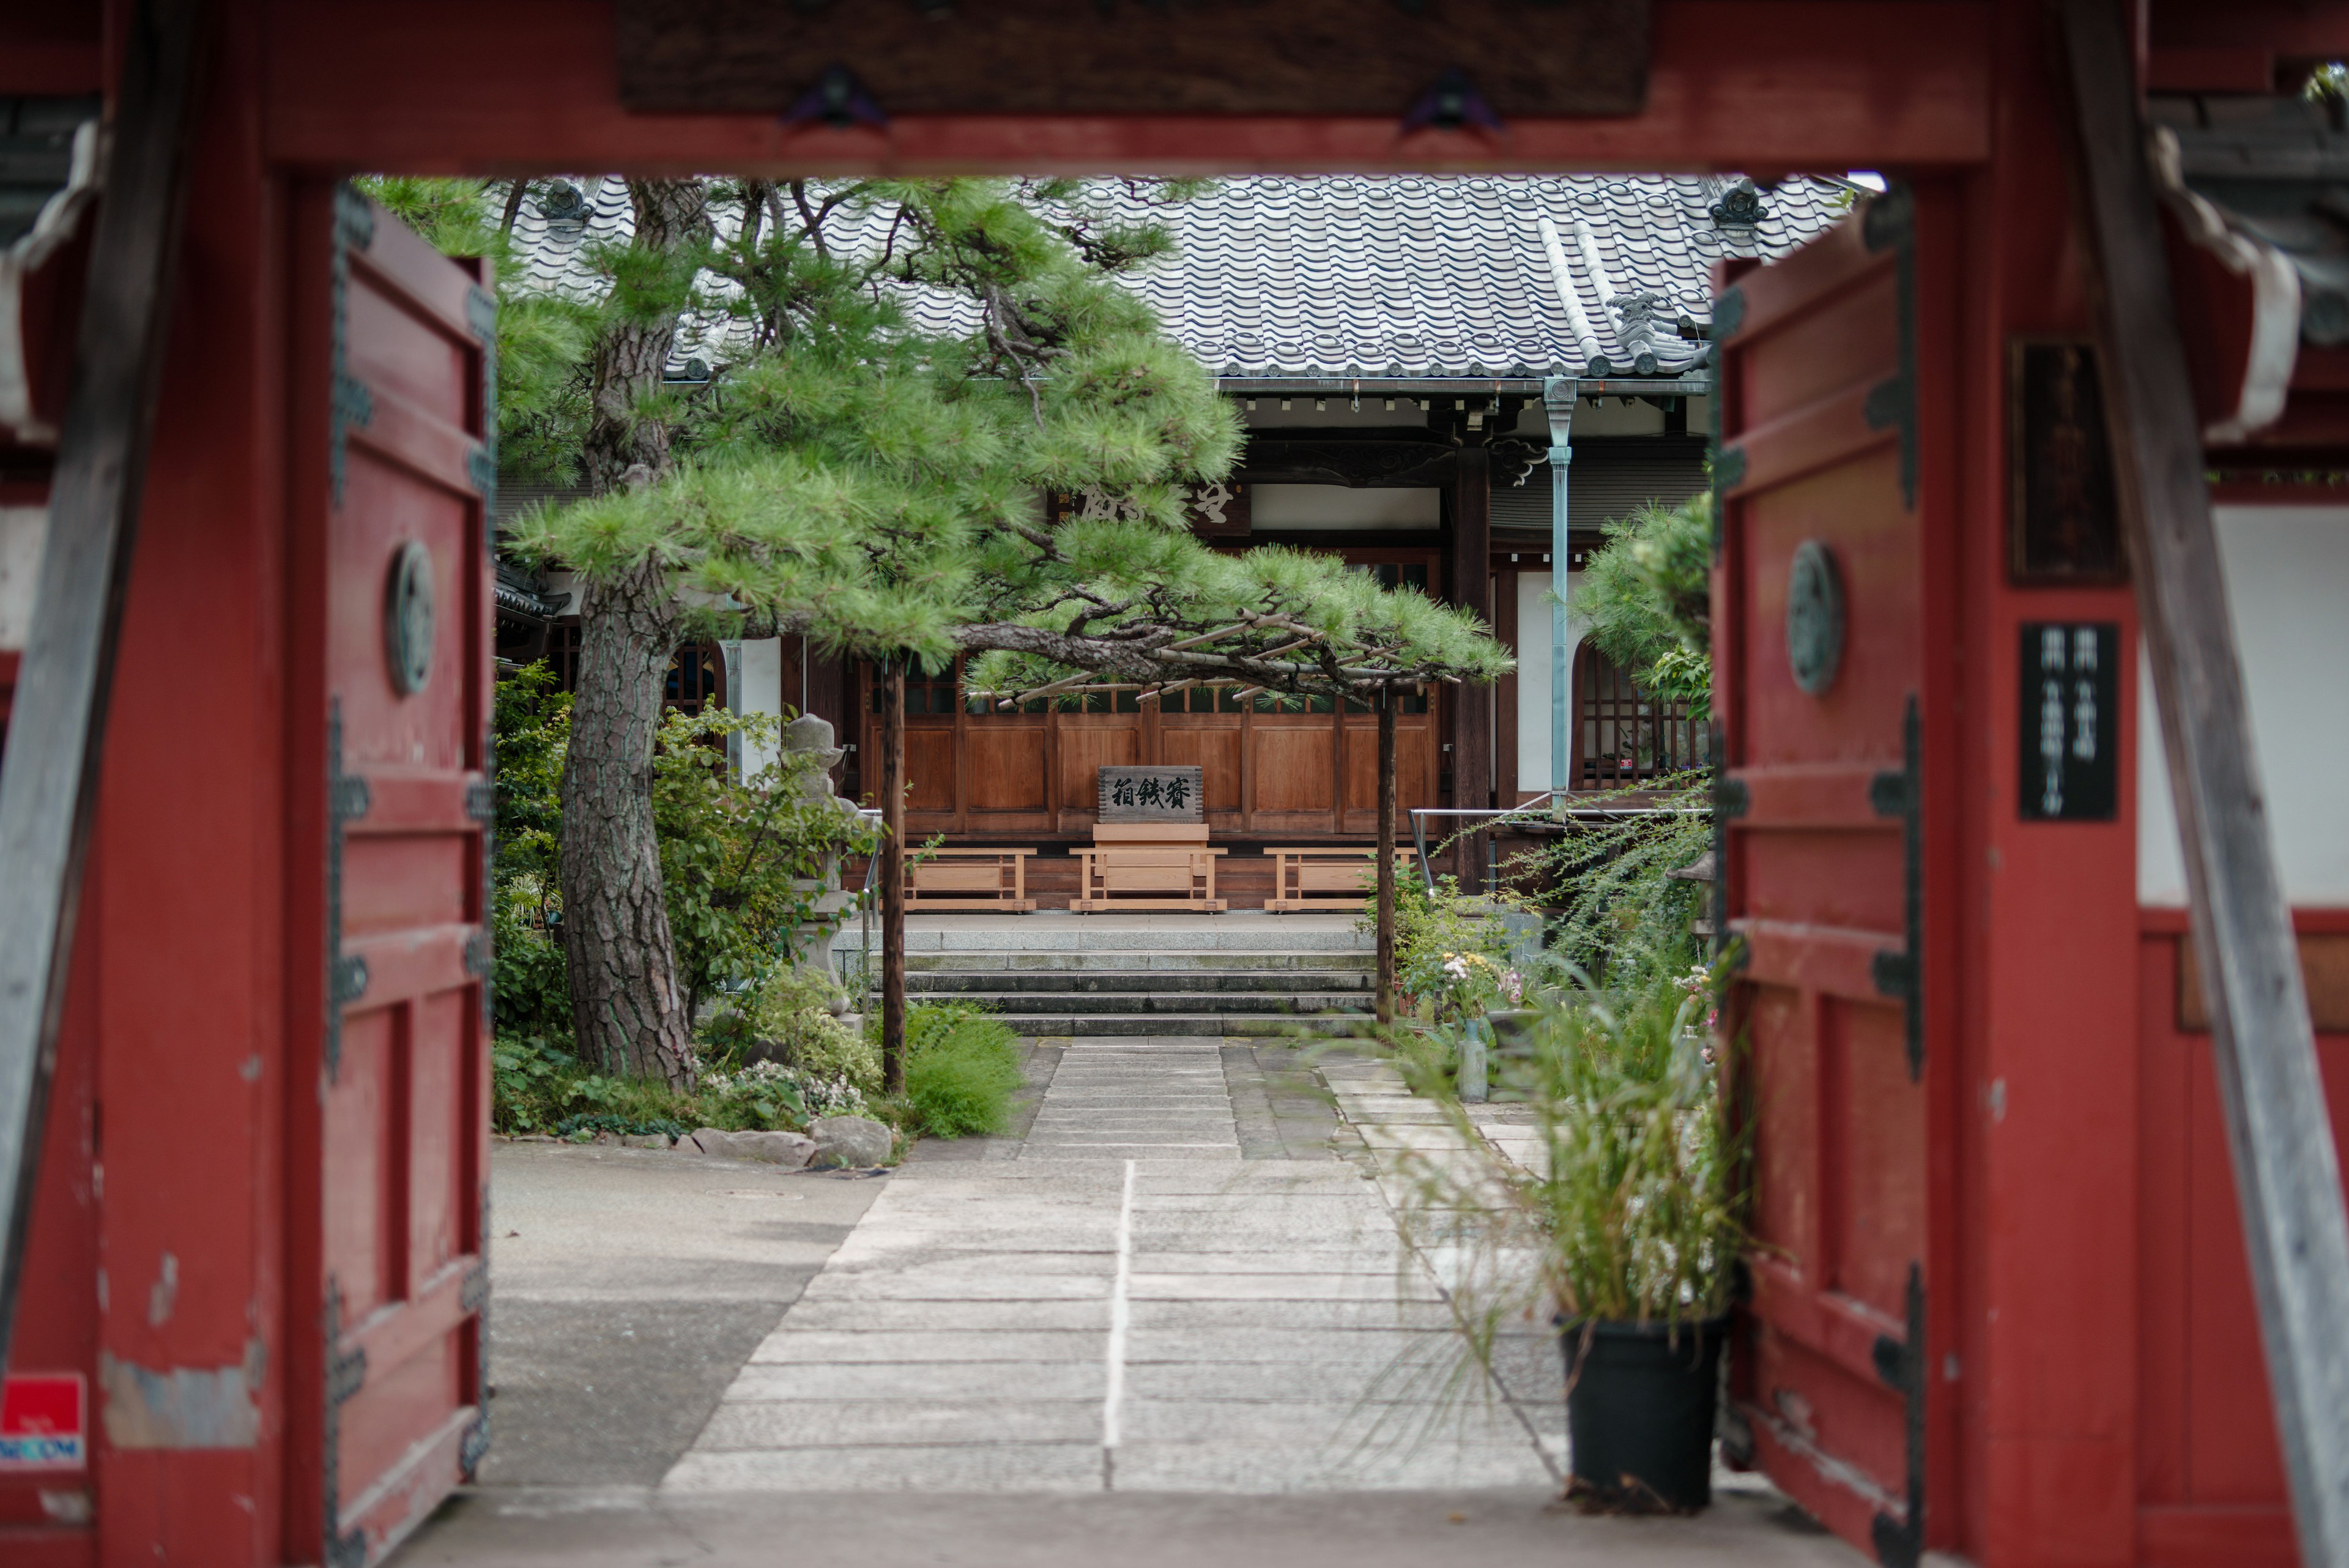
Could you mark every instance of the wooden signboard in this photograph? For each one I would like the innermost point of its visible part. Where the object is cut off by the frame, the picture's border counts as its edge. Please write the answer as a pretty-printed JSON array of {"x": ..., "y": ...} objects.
[
  {"x": 1216, "y": 510},
  {"x": 2066, "y": 525},
  {"x": 1151, "y": 795},
  {"x": 816, "y": 59}
]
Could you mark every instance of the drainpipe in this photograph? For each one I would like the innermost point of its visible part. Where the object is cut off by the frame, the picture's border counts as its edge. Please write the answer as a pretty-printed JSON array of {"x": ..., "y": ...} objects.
[{"x": 1559, "y": 394}]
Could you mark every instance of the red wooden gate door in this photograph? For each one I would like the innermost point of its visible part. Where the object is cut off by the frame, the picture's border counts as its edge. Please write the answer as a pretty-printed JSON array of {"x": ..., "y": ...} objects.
[
  {"x": 391, "y": 593},
  {"x": 1826, "y": 624}
]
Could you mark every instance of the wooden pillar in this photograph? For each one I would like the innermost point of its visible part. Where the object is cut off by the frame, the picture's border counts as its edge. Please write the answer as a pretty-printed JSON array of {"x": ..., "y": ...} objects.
[
  {"x": 1386, "y": 852},
  {"x": 1472, "y": 721},
  {"x": 893, "y": 875},
  {"x": 2270, "y": 1087}
]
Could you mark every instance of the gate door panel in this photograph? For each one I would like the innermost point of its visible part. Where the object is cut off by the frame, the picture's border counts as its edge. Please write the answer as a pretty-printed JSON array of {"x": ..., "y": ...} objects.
[
  {"x": 392, "y": 586},
  {"x": 1821, "y": 643}
]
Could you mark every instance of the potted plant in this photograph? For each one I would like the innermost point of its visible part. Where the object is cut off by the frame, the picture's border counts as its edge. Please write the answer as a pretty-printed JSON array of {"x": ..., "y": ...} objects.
[{"x": 1630, "y": 1221}]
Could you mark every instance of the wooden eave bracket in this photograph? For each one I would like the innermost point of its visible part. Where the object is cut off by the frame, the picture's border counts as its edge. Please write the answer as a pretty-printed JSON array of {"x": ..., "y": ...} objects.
[{"x": 2275, "y": 295}]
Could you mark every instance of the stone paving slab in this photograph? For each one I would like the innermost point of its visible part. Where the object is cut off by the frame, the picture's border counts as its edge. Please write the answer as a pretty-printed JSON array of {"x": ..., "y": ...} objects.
[
  {"x": 1238, "y": 1285},
  {"x": 1080, "y": 1378},
  {"x": 787, "y": 1424},
  {"x": 953, "y": 1466},
  {"x": 950, "y": 1316},
  {"x": 834, "y": 1347}
]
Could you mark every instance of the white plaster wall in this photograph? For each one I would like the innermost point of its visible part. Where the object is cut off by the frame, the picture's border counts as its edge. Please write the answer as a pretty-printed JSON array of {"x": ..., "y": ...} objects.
[
  {"x": 22, "y": 531},
  {"x": 1279, "y": 506},
  {"x": 2287, "y": 570},
  {"x": 761, "y": 675},
  {"x": 1534, "y": 674}
]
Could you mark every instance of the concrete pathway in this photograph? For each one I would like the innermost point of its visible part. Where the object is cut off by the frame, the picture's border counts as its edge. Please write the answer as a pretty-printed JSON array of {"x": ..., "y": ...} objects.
[
  {"x": 1124, "y": 1302},
  {"x": 1168, "y": 1320}
]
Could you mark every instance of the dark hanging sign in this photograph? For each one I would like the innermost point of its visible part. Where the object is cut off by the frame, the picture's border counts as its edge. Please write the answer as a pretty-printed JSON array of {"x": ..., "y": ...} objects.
[
  {"x": 865, "y": 62},
  {"x": 1217, "y": 511},
  {"x": 2071, "y": 721},
  {"x": 1151, "y": 795},
  {"x": 2066, "y": 525}
]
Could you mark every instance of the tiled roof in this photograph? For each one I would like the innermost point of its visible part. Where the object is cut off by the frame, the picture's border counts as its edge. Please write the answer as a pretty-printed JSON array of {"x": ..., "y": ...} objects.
[{"x": 1399, "y": 277}]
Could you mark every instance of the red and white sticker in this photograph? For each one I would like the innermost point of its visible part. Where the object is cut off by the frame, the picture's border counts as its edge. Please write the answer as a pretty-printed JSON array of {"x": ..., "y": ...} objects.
[{"x": 43, "y": 1422}]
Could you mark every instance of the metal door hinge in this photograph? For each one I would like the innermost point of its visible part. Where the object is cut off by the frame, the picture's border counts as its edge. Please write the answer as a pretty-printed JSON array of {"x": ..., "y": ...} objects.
[
  {"x": 1900, "y": 1363},
  {"x": 482, "y": 800},
  {"x": 1728, "y": 314},
  {"x": 1903, "y": 974},
  {"x": 479, "y": 955},
  {"x": 1728, "y": 469}
]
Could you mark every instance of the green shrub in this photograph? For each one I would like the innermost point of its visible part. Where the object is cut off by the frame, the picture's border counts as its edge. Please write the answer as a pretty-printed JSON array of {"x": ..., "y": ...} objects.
[
  {"x": 962, "y": 1067},
  {"x": 794, "y": 1011},
  {"x": 1452, "y": 958}
]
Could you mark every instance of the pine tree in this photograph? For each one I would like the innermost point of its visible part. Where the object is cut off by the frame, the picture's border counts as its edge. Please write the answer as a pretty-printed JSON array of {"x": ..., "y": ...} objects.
[{"x": 864, "y": 476}]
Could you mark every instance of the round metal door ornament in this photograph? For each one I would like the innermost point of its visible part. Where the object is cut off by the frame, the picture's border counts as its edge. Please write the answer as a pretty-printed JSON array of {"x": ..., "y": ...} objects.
[
  {"x": 407, "y": 620},
  {"x": 1815, "y": 617}
]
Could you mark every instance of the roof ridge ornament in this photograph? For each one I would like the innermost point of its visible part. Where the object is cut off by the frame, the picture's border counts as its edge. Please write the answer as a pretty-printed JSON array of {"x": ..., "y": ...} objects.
[
  {"x": 1561, "y": 278},
  {"x": 1740, "y": 206}
]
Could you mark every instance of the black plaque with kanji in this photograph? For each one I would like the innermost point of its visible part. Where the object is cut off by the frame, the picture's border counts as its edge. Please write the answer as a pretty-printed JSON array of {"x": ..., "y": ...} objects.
[
  {"x": 2071, "y": 721},
  {"x": 1151, "y": 795}
]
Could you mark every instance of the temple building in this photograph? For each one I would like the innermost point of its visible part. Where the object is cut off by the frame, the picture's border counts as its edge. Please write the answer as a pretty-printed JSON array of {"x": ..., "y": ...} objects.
[{"x": 1388, "y": 342}]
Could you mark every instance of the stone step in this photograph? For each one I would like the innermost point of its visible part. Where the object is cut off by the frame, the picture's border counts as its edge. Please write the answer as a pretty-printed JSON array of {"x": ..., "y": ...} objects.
[
  {"x": 1097, "y": 981},
  {"x": 1223, "y": 960},
  {"x": 1075, "y": 933},
  {"x": 1120, "y": 1004},
  {"x": 1051, "y": 1025}
]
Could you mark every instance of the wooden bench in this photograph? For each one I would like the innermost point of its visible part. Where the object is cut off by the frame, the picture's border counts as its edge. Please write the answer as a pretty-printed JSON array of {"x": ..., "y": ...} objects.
[
  {"x": 971, "y": 878},
  {"x": 1168, "y": 865},
  {"x": 1327, "y": 869}
]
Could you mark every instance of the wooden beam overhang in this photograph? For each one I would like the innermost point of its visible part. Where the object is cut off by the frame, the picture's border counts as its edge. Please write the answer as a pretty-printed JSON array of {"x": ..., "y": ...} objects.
[
  {"x": 1802, "y": 84},
  {"x": 1357, "y": 462},
  {"x": 1692, "y": 382}
]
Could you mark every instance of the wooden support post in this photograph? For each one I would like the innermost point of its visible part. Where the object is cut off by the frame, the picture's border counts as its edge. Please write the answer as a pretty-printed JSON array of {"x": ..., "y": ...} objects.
[
  {"x": 48, "y": 784},
  {"x": 2287, "y": 1172},
  {"x": 1472, "y": 721},
  {"x": 893, "y": 874},
  {"x": 1386, "y": 852}
]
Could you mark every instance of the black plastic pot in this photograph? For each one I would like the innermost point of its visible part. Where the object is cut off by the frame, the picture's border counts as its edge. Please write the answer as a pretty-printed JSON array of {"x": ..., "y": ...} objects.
[{"x": 1639, "y": 1408}]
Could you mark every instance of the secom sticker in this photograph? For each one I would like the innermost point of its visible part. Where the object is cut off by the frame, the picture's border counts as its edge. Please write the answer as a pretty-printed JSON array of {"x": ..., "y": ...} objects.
[{"x": 43, "y": 1423}]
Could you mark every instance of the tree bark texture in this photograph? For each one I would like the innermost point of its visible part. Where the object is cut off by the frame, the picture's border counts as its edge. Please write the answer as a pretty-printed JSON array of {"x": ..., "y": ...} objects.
[
  {"x": 893, "y": 875},
  {"x": 1386, "y": 854},
  {"x": 625, "y": 1004},
  {"x": 629, "y": 354},
  {"x": 626, "y": 1007}
]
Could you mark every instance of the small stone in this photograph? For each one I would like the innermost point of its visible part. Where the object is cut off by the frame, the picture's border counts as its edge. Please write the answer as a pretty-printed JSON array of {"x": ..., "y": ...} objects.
[
  {"x": 645, "y": 1140},
  {"x": 851, "y": 1142},
  {"x": 788, "y": 1149}
]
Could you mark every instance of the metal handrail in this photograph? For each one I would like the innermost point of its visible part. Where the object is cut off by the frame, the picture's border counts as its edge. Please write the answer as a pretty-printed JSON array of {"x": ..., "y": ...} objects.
[
  {"x": 1534, "y": 813},
  {"x": 1498, "y": 814}
]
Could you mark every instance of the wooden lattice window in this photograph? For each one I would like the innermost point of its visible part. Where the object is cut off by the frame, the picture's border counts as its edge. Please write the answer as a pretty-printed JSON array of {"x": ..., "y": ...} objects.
[
  {"x": 695, "y": 679},
  {"x": 1624, "y": 739}
]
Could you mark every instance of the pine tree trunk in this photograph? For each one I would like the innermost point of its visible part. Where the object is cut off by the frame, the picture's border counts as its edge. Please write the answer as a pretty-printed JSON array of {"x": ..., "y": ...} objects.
[
  {"x": 626, "y": 1007},
  {"x": 893, "y": 875},
  {"x": 1386, "y": 854}
]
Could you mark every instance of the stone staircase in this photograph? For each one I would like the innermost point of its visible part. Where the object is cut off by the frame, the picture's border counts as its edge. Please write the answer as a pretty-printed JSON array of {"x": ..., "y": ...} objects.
[{"x": 1097, "y": 975}]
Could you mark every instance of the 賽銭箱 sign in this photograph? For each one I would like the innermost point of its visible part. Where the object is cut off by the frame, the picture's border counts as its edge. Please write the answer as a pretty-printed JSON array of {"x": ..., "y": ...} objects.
[{"x": 1151, "y": 795}]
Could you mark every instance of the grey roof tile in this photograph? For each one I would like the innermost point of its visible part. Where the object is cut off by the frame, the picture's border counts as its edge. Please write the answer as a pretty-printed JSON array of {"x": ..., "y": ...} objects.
[{"x": 1370, "y": 276}]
